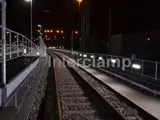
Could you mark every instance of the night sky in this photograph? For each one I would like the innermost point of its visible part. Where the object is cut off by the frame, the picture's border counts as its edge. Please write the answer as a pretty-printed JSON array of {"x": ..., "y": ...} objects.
[{"x": 127, "y": 15}]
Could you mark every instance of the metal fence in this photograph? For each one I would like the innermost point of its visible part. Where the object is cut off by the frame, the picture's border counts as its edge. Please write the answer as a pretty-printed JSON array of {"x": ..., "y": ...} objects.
[
  {"x": 17, "y": 45},
  {"x": 143, "y": 68}
]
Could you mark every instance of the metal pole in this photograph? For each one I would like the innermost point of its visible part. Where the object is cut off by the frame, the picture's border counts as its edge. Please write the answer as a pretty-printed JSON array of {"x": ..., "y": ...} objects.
[
  {"x": 142, "y": 67},
  {"x": 31, "y": 24},
  {"x": 3, "y": 4},
  {"x": 72, "y": 44},
  {"x": 10, "y": 44},
  {"x": 156, "y": 71},
  {"x": 17, "y": 45},
  {"x": 109, "y": 34}
]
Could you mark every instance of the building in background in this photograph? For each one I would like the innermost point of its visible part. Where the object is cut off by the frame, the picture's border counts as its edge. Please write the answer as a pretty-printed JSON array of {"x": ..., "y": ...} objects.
[{"x": 144, "y": 45}]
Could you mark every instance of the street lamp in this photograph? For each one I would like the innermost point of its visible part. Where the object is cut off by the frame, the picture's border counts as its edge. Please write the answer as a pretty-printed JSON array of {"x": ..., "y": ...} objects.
[
  {"x": 79, "y": 1},
  {"x": 31, "y": 19},
  {"x": 40, "y": 26}
]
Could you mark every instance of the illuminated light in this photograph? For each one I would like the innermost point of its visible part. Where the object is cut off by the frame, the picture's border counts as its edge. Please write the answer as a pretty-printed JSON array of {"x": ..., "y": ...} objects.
[
  {"x": 51, "y": 31},
  {"x": 80, "y": 55},
  {"x": 39, "y": 25},
  {"x": 15, "y": 36},
  {"x": 92, "y": 56},
  {"x": 28, "y": 0},
  {"x": 49, "y": 38},
  {"x": 113, "y": 60},
  {"x": 25, "y": 51},
  {"x": 46, "y": 36},
  {"x": 47, "y": 31},
  {"x": 39, "y": 31},
  {"x": 76, "y": 53},
  {"x": 63, "y": 37},
  {"x": 100, "y": 58},
  {"x": 57, "y": 31},
  {"x": 76, "y": 32},
  {"x": 79, "y": 1},
  {"x": 84, "y": 55},
  {"x": 148, "y": 39},
  {"x": 38, "y": 53},
  {"x": 136, "y": 66},
  {"x": 62, "y": 31},
  {"x": 55, "y": 36},
  {"x": 8, "y": 32}
]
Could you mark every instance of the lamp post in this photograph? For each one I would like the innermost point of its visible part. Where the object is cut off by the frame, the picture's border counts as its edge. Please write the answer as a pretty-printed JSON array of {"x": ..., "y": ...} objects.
[
  {"x": 3, "y": 6},
  {"x": 79, "y": 23},
  {"x": 31, "y": 20},
  {"x": 40, "y": 26}
]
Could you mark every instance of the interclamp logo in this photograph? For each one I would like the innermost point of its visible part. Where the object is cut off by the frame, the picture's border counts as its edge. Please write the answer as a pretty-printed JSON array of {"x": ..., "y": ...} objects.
[{"x": 96, "y": 62}]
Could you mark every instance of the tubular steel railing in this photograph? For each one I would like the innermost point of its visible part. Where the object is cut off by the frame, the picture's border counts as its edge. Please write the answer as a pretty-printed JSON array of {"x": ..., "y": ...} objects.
[
  {"x": 17, "y": 45},
  {"x": 148, "y": 69}
]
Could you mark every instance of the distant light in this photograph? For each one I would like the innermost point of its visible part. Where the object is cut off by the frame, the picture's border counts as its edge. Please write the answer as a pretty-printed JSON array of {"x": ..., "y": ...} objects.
[
  {"x": 92, "y": 56},
  {"x": 48, "y": 31},
  {"x": 8, "y": 32},
  {"x": 46, "y": 36},
  {"x": 76, "y": 53},
  {"x": 136, "y": 66},
  {"x": 28, "y": 0},
  {"x": 57, "y": 31},
  {"x": 80, "y": 55},
  {"x": 84, "y": 55},
  {"x": 55, "y": 36},
  {"x": 63, "y": 37},
  {"x": 113, "y": 60},
  {"x": 51, "y": 31},
  {"x": 148, "y": 39},
  {"x": 45, "y": 31},
  {"x": 39, "y": 25},
  {"x": 76, "y": 32},
  {"x": 25, "y": 51},
  {"x": 39, "y": 31},
  {"x": 100, "y": 58},
  {"x": 15, "y": 36},
  {"x": 38, "y": 53},
  {"x": 62, "y": 31},
  {"x": 79, "y": 1}
]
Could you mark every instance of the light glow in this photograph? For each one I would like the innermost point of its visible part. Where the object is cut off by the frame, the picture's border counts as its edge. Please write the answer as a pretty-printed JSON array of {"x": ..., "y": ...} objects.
[
  {"x": 100, "y": 58},
  {"x": 84, "y": 55},
  {"x": 92, "y": 56},
  {"x": 113, "y": 60},
  {"x": 136, "y": 66}
]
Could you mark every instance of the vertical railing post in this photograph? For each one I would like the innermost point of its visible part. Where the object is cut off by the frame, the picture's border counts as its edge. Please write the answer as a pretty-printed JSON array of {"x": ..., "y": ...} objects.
[
  {"x": 156, "y": 70},
  {"x": 17, "y": 45},
  {"x": 10, "y": 45},
  {"x": 3, "y": 18},
  {"x": 142, "y": 67},
  {"x": 15, "y": 100}
]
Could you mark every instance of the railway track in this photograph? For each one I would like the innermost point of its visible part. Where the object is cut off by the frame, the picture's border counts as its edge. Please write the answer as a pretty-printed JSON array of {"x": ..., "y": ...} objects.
[{"x": 82, "y": 97}]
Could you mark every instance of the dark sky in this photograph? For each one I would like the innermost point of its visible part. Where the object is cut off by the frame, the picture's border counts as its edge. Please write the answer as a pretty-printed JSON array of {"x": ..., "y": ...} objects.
[{"x": 127, "y": 15}]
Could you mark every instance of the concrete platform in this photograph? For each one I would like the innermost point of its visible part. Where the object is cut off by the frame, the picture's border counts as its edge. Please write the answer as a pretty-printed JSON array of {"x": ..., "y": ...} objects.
[{"x": 147, "y": 102}]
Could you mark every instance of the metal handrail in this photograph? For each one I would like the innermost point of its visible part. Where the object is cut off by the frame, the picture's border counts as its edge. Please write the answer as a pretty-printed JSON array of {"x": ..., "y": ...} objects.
[{"x": 153, "y": 64}]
